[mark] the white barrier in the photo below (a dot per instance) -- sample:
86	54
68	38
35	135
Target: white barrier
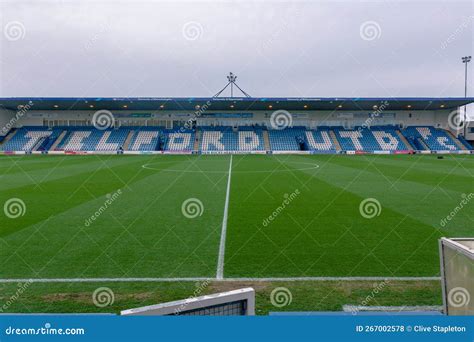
457	274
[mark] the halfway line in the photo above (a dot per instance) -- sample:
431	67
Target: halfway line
220	261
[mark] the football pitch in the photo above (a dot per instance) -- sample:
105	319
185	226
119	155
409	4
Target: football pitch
231	217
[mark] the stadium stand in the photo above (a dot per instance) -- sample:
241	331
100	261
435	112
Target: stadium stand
288	139
234	139
31	139
377	138
364	139
465	142
230	139
144	139
90	139
178	140
320	140
430	138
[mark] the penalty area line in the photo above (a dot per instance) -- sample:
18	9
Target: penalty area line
195	279
220	261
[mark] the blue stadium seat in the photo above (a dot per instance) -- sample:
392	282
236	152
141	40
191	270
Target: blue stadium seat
31	138
91	139
235	139
227	139
287	139
144	139
377	138
435	139
320	140
465	142
159	138
178	140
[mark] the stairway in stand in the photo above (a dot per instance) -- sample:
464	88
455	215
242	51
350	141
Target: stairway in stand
58	140
335	141
197	141
456	140
9	136
128	140
404	140
266	140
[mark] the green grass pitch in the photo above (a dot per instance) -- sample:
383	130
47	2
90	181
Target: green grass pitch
316	229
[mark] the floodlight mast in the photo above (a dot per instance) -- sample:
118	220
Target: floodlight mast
465	60
231	80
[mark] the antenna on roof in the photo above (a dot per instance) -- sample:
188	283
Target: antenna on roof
231	81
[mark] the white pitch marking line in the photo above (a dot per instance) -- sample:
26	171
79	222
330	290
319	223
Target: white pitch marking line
194	279
357	308
220	261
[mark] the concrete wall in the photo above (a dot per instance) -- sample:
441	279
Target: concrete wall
8	120
470	131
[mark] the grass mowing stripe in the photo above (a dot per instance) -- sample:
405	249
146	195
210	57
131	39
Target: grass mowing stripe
424	201
333	245
220	263
447	177
340	236
65	170
56	197
162	229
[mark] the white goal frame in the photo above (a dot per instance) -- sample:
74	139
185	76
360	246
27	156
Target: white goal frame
191	304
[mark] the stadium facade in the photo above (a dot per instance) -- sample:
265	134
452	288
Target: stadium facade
234	125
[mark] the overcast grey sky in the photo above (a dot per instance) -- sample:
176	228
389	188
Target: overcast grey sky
277	48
